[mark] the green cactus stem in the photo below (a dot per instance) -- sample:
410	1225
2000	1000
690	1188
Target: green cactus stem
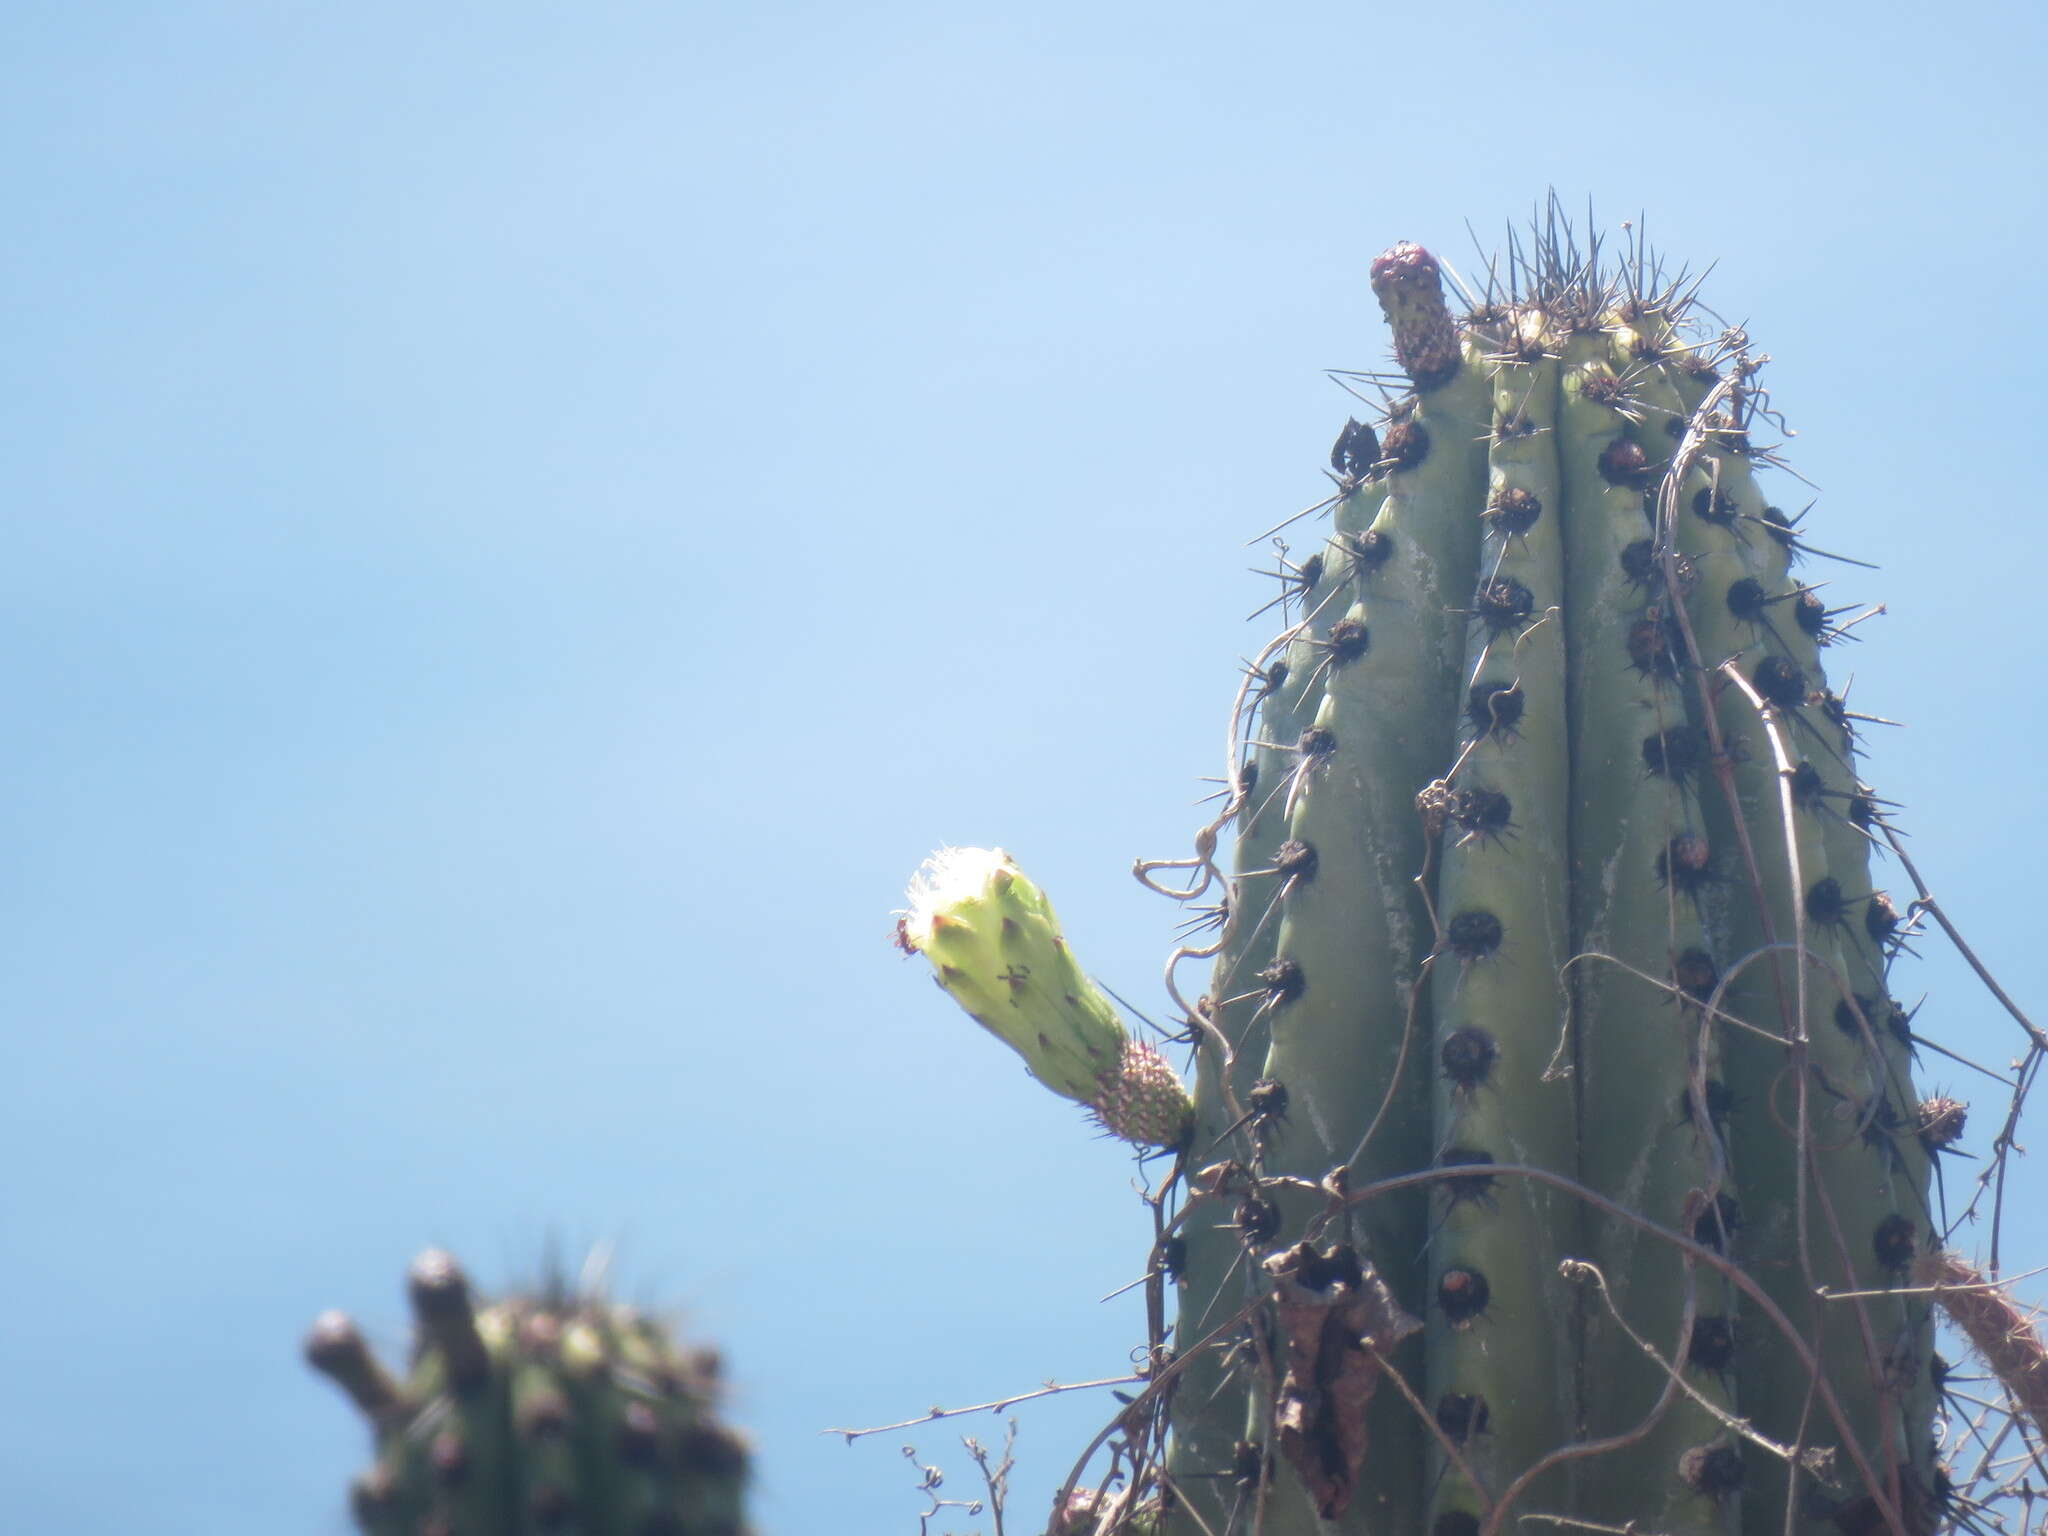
1836	1183
1592	892
1284	693
1350	1031
1651	1093
548	1413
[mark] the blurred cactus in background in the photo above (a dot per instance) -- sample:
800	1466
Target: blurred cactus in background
1555	1159
546	1413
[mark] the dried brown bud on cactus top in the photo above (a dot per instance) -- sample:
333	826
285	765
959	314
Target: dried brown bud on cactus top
1410	286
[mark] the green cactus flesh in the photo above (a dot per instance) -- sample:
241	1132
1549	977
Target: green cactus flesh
1343	1023
1551	999
552	1413
1598	815
1644	1055
1499	1380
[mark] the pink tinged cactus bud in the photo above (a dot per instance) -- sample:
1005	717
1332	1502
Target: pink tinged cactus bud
1410	288
1142	1100
994	944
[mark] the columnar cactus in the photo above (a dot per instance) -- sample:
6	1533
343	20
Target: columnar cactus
548	1413
1549	1059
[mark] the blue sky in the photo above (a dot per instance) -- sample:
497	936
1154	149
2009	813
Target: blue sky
526	522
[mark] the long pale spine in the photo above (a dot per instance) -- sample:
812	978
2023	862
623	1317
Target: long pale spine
1498	1380
1643	963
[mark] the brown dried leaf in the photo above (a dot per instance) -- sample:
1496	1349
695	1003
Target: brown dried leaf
1337	1319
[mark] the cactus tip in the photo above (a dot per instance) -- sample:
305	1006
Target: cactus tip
1405	262
436	1282
945	880
1410	288
333	1334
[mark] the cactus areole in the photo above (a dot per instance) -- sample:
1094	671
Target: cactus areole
1555	1155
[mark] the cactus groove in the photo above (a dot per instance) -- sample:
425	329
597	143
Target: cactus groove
1552	929
552	1413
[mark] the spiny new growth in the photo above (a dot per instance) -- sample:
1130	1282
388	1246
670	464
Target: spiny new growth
548	1413
1555	1150
995	946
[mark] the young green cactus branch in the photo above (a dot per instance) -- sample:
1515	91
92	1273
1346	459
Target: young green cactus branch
1553	1158
547	1413
996	947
